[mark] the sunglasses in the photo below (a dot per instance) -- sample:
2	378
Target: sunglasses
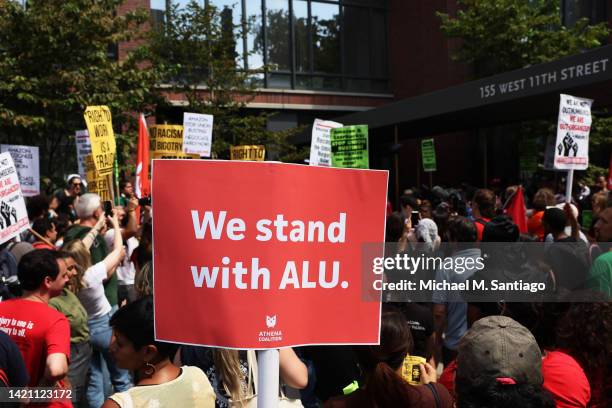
76	184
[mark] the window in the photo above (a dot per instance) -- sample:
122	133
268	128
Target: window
334	45
277	34
325	27
596	11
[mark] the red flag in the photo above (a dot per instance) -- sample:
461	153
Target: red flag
515	208
142	187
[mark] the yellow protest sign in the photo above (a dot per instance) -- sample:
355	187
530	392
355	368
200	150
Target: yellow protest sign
100	128
167	142
249	152
96	183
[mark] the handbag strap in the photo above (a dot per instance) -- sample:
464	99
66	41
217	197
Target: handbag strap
433	390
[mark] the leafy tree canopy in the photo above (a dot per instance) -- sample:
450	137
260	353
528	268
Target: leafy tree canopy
54	61
502	35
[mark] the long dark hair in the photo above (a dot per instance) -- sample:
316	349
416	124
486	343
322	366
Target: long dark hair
384	387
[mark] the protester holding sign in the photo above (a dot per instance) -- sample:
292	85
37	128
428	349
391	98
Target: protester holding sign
90	291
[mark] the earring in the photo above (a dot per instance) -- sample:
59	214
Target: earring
149	369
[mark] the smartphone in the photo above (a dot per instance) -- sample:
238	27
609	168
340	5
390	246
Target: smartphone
414	218
108	208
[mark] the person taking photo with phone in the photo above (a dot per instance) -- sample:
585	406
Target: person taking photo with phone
89	288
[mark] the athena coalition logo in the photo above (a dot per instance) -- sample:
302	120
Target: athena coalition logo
271	321
270	335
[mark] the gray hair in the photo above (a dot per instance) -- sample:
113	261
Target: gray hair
87	204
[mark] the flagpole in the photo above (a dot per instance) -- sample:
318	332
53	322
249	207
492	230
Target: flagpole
268	376
568	186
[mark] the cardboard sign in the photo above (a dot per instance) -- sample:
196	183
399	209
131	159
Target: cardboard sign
26	162
167	142
100	128
248	153
13	213
83	147
245	258
320	143
197	134
428	155
95	182
573	127
349	147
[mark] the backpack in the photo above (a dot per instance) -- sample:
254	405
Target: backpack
8	275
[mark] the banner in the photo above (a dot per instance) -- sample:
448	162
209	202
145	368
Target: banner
349	147
27	164
574	125
100	128
248	153
96	183
428	155
275	270
320	143
167	142
13	213
83	146
197	136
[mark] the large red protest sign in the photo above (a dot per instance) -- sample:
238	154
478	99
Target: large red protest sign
264	255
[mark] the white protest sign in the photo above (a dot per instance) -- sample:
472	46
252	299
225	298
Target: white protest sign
13	213
574	125
26	162
197	133
320	144
83	146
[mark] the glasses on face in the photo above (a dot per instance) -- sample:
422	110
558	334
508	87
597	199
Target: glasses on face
76	184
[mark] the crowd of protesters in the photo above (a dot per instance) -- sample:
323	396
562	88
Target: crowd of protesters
79	287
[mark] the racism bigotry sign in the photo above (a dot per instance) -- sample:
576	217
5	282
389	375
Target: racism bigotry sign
264	255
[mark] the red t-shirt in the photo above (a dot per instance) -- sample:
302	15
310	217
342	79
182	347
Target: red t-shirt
565	380
38	330
43	245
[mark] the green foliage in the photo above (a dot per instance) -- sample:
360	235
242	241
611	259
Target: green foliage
54	62
502	35
195	49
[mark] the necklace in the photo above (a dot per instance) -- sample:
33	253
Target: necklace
38	298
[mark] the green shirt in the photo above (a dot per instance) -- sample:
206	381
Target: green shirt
68	304
600	276
98	252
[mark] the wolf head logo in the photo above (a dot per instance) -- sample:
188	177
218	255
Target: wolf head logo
271	321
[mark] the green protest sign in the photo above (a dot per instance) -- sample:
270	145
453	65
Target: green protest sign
349	147
428	155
